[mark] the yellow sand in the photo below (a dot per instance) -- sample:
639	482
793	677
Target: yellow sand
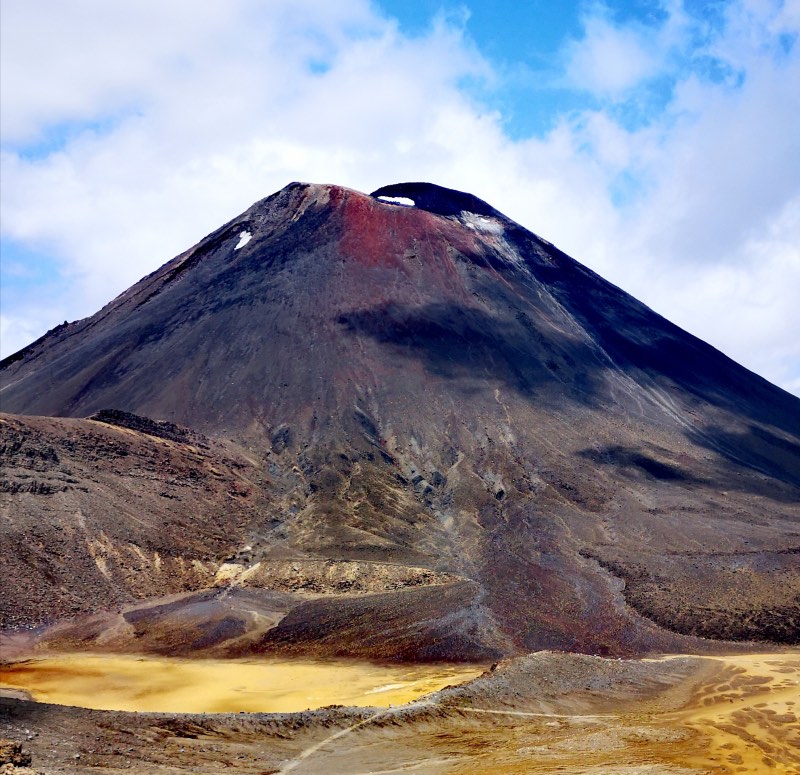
747	716
740	715
737	715
135	683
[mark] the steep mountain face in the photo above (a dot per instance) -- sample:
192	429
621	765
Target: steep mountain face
427	387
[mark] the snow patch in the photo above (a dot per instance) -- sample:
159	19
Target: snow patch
403	201
244	238
481	223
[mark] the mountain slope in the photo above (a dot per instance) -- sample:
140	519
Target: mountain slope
433	386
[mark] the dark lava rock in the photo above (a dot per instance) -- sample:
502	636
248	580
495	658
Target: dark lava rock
160	428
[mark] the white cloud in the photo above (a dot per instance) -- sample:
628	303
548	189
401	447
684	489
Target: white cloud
184	114
91	60
609	59
748	305
16	329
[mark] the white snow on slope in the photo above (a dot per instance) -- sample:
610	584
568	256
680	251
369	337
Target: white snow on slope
481	223
403	201
244	238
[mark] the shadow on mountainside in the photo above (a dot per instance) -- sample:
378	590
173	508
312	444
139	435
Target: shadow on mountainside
457	342
748	475
634	461
759	449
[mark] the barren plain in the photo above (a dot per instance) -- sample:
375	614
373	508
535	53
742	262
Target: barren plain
544	713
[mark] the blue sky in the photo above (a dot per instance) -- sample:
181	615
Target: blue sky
656	142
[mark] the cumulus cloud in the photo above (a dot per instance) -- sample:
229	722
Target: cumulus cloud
132	129
719	224
609	59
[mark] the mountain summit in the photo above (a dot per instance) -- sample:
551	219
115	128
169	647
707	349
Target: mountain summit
408	427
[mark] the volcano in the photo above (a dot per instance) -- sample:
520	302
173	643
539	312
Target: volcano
395	425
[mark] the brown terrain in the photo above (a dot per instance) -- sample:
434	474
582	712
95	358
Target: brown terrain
417	434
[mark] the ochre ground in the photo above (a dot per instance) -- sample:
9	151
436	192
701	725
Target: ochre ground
747	715
134	683
545	713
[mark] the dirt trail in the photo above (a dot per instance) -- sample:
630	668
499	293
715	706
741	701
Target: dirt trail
312	749
592	717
